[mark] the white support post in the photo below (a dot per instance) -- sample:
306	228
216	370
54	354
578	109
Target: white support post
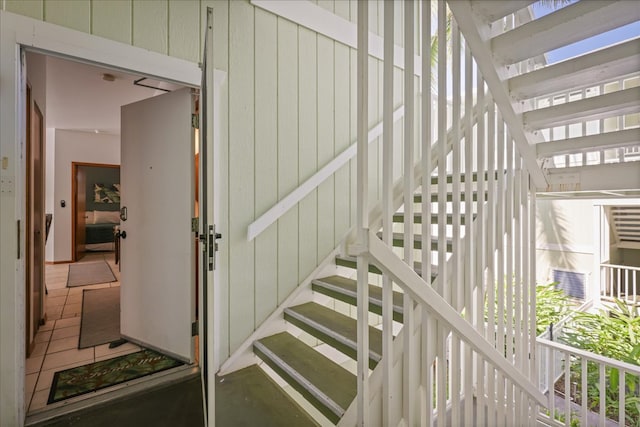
363	214
500	279
480	241
428	325
469	268
409	359
596	285
491	248
441	399
531	283
387	208
457	288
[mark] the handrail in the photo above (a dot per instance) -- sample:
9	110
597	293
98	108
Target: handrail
626	267
293	198
627	367
409	281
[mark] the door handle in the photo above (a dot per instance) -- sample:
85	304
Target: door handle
121	234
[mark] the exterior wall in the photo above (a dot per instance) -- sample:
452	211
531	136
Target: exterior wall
289	106
565	237
71	146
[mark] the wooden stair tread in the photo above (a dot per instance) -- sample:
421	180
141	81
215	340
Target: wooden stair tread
327	385
351	262
417	218
345	290
417	197
250	397
398	240
335	329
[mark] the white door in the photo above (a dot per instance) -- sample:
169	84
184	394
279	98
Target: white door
157	246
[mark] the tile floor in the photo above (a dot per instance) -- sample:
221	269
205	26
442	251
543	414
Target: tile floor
56	345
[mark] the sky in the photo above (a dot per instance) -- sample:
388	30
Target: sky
611	37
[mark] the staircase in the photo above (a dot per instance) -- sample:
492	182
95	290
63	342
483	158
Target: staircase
569	129
328	386
582	114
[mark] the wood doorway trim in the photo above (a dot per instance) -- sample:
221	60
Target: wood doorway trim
74	201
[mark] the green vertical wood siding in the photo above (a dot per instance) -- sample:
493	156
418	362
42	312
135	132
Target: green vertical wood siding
75	14
266	149
111	19
150	25
288	107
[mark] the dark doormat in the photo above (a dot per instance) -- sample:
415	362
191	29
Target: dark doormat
96	376
100	322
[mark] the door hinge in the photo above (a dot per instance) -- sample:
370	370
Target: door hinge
194	328
195	121
195	225
18	242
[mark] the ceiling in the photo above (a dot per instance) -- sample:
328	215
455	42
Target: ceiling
79	98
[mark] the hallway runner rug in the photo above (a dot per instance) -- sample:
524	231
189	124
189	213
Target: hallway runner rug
89	273
106	373
100	321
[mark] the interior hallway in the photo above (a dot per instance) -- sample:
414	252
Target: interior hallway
56	343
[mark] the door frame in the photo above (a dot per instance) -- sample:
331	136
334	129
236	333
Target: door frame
18	33
74	199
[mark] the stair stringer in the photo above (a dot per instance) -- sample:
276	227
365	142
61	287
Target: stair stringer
275	323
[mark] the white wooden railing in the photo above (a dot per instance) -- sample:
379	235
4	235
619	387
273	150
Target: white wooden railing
449	361
620	282
613	387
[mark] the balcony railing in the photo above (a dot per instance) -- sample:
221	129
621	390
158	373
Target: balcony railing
589	388
620	282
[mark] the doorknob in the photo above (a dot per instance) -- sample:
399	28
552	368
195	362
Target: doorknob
121	234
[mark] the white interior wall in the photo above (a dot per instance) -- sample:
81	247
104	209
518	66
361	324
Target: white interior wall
73	146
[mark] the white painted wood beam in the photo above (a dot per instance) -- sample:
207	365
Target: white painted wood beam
492	10
570	24
584	144
469	25
590	69
607	177
625	101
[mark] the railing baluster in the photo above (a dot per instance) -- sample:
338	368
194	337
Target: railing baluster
387	218
409	102
491	324
500	238
621	398
457	286
584	406
363	213
508	281
481	240
549	369
469	279
602	393
441	404
428	324
567	389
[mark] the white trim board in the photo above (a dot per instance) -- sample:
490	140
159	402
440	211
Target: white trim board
321	21
580	249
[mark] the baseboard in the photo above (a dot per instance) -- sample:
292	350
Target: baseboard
58	262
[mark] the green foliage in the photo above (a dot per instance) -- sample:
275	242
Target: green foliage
614	333
551	306
611	333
